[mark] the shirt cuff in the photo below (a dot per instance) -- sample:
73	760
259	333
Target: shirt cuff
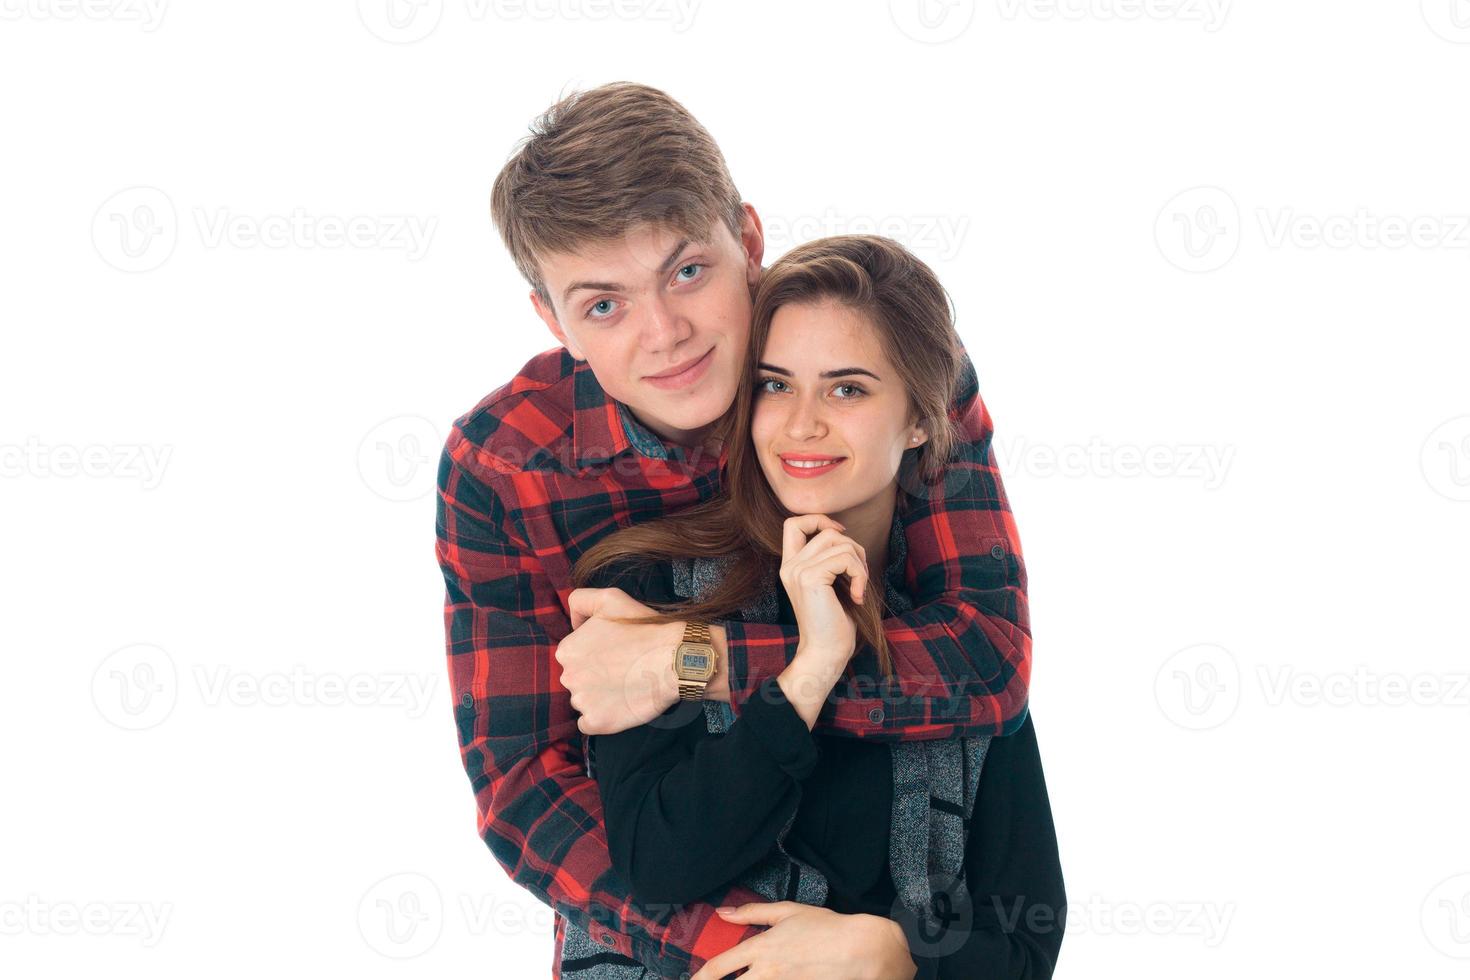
779	729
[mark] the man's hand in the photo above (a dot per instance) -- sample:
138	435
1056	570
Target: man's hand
808	941
620	675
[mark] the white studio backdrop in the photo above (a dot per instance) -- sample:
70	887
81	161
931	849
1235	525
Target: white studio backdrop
1210	259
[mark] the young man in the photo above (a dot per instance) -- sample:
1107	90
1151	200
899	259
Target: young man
641	256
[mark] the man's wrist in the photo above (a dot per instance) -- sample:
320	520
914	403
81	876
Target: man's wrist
718	686
901	938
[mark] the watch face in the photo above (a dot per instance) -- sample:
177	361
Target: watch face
696	662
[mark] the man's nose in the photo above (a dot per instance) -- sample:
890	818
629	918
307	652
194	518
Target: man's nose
663	328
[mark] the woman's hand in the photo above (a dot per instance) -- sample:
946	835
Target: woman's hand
807	941
808	570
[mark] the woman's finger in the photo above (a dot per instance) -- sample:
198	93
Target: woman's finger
795	530
764	913
822	541
838	560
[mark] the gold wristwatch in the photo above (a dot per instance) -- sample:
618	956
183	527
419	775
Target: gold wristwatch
694	661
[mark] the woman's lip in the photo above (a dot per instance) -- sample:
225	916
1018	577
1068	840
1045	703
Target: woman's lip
688	376
807	472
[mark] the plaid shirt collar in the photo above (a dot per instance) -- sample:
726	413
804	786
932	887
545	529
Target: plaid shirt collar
603	428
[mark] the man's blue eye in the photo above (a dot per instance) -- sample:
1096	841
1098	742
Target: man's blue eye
693	265
601	308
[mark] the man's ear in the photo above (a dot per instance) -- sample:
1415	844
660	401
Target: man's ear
548	317
753	239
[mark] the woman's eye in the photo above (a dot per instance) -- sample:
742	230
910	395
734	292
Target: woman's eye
692	270
601	309
768	381
856	389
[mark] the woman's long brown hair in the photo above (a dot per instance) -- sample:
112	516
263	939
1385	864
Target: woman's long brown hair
903	299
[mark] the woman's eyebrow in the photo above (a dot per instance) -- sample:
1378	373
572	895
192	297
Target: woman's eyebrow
838	373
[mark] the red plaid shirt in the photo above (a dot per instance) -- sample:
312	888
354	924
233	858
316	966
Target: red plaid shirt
543	468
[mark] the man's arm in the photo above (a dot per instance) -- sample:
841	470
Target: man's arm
539	810
963	654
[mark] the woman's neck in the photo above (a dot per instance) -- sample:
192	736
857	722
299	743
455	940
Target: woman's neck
869	524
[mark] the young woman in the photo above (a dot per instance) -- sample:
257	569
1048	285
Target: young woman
882	859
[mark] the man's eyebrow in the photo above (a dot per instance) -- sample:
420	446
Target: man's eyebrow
839	373
613	287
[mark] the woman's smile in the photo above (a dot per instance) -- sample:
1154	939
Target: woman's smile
804	466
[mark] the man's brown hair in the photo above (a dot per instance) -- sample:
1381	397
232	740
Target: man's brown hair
602	162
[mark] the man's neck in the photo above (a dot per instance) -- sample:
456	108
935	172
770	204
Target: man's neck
690	440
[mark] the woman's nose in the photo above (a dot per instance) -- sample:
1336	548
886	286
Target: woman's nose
805	420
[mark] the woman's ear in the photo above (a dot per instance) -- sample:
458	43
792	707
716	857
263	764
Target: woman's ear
917	437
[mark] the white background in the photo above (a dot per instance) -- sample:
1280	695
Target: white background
1227	240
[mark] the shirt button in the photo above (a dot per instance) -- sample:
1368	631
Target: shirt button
467	699
607	939
997	552
875	715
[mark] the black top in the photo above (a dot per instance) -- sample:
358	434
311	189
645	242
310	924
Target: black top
688	811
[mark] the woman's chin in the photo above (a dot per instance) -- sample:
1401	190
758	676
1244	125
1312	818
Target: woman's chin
805	502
